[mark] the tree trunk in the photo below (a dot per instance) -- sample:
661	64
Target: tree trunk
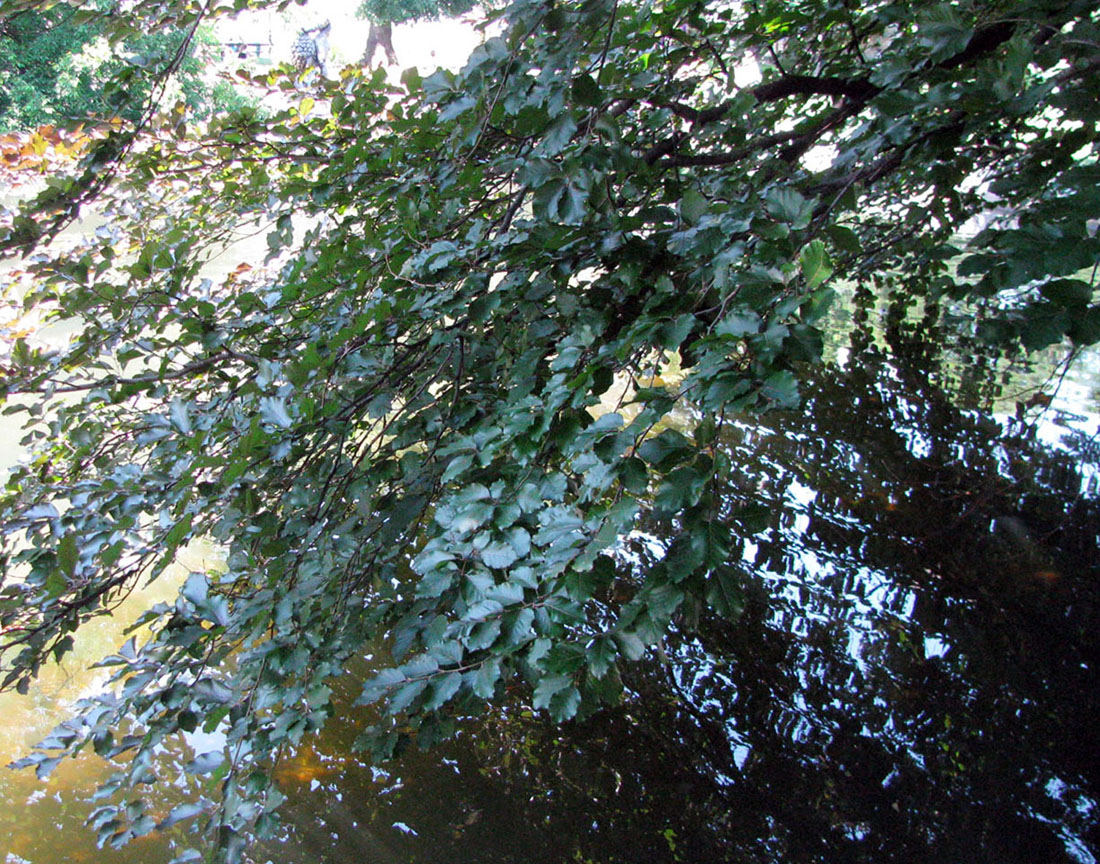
380	35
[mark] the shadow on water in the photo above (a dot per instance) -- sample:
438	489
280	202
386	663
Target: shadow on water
913	675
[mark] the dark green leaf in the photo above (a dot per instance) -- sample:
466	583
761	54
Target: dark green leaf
724	593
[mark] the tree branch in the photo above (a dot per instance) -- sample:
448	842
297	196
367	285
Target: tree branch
147	378
984	40
859	89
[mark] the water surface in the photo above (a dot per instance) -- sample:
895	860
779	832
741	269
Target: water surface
912	676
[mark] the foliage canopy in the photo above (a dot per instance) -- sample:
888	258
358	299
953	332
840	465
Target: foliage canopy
55	68
427	420
401	11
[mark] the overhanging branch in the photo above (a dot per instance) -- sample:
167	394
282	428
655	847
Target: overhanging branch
857	92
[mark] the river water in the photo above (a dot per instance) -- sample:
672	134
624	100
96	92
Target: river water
913	675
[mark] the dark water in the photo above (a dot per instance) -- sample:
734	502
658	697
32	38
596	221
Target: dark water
913	676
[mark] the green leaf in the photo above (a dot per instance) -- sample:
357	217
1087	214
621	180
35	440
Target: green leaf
685	556
944	32
601	655
629	644
443	690
564	704
563	199
456	108
180	813
634	476
665	449
781	388
976	265
499	555
673	333
484	635
1043	325
178	413
434	584
273	410
1084	329
412	80
432	558
403	696
805	343
520	541
68	555
693	205
723	593
662	600
488	674
715	537
788	205
473	492
205	763
557	694
518	627
586	91
178	532
738	323
682	489
558	134
814	260
845	238
1067	292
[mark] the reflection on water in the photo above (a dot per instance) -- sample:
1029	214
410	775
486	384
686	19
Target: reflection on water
913	676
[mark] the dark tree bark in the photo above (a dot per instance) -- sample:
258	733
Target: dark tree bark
380	35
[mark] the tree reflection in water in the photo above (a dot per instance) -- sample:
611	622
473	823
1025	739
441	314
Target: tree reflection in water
913	676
